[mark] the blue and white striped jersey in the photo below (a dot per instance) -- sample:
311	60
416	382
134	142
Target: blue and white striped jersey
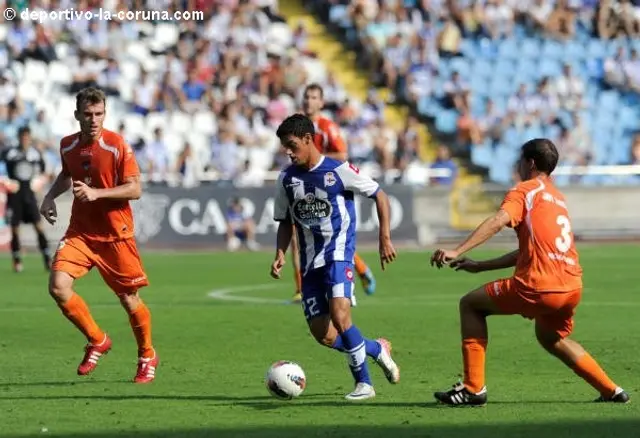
320	203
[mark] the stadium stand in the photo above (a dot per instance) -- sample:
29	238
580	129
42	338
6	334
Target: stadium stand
198	100
487	75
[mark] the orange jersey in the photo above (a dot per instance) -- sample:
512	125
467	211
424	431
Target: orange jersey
327	138
548	259
105	163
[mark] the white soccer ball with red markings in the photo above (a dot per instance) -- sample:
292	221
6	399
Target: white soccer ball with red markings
285	380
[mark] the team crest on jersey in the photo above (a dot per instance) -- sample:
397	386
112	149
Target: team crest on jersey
329	179
148	213
311	210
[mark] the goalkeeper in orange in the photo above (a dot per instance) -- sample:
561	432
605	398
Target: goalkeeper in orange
329	142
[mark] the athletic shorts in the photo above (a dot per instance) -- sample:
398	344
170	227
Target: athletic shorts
554	311
22	208
334	280
118	262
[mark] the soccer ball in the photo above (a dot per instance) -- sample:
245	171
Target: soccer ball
285	380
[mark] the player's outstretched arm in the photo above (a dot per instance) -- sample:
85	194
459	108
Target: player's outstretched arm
487	229
387	251
466	264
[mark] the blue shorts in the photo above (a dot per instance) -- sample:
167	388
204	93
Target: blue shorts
334	280
240	234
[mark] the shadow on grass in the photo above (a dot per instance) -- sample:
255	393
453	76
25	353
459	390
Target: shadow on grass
582	429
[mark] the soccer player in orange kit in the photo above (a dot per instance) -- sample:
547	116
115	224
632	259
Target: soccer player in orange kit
328	141
546	285
102	171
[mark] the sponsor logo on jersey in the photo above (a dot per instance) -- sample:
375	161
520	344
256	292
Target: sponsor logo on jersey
310	210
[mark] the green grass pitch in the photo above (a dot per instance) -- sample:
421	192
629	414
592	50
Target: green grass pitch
214	354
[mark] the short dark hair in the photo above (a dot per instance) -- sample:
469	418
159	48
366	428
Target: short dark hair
543	153
298	125
24	130
315	86
90	95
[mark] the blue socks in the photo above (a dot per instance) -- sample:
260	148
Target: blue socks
354	346
372	348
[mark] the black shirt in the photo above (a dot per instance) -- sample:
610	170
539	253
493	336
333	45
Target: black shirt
23	165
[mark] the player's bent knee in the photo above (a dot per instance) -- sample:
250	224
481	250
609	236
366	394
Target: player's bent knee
341	314
129	299
60	286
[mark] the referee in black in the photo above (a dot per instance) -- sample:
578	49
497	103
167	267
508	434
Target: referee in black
24	163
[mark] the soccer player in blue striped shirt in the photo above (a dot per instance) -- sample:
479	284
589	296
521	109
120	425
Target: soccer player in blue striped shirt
317	194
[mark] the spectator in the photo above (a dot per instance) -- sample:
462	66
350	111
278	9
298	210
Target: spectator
614	69
225	154
569	88
408	145
8	89
85	73
444	161
632	71
456	93
158	157
193	90
249	177
449	40
561	24
497	19
109	79
188	168
635	152
240	227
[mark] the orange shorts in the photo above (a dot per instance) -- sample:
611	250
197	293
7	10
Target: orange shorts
552	310
118	262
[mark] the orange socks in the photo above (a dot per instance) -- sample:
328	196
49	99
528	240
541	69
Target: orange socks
360	265
140	320
587	368
77	311
473	354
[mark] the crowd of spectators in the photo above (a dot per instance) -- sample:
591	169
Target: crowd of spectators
196	99
413	47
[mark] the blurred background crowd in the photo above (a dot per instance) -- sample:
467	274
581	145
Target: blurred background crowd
200	100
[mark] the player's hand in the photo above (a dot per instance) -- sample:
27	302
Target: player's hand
465	264
83	192
276	266
387	252
49	211
443	257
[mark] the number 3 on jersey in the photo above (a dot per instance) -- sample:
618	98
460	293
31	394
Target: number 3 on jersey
563	242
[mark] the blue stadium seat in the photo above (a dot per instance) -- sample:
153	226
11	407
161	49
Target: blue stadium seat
552	50
482	155
446	121
509	50
596	49
530	48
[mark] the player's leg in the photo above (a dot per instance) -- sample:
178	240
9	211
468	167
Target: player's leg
71	261
43	244
339	281
14	214
474	309
297	273
552	332
249	228
32	216
365	274
379	350
121	268
16	247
